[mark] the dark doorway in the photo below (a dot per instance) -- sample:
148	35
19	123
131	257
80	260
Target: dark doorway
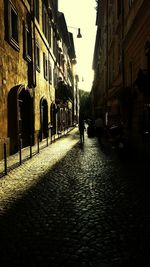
25	110
20	117
53	118
43	118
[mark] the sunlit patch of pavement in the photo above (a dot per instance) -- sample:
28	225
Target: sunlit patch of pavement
19	180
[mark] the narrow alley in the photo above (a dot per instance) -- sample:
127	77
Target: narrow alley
75	205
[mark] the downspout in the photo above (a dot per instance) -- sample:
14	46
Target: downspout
122	48
33	66
122	37
34	44
107	57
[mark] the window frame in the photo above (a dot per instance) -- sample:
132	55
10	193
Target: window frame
13	41
45	66
45	21
49	72
50	34
36	9
37	54
119	9
27	43
130	3
55	76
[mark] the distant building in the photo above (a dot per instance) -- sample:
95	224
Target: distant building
76	100
121	88
65	76
37	55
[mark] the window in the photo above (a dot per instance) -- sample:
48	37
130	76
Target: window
54	44
130	2
55	76
118	8
50	73
45	21
27	44
12	26
49	34
45	66
36	9
37	54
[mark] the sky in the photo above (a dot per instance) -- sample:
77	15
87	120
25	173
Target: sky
82	14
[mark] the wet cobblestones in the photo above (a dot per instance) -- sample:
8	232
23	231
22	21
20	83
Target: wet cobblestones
85	208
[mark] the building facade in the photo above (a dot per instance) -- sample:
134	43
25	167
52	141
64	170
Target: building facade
121	66
34	57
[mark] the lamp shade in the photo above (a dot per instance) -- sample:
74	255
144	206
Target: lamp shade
79	34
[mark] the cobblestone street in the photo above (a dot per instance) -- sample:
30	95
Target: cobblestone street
75	206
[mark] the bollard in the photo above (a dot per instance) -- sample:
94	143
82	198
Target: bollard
20	147
47	137
59	134
51	136
30	146
51	133
38	144
5	159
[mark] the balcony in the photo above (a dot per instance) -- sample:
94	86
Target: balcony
63	92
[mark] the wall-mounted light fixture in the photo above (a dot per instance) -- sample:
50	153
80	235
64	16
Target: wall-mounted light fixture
79	35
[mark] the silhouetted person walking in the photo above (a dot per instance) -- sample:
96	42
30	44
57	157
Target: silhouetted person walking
81	129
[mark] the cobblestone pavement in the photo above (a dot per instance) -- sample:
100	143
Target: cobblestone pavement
75	206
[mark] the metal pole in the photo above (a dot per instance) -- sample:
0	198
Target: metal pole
47	137
20	147
38	144
5	159
51	133
30	146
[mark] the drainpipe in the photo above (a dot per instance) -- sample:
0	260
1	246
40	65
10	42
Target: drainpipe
122	47
107	57
34	44
33	65
122	13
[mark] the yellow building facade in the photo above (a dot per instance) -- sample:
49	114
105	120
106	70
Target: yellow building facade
32	59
